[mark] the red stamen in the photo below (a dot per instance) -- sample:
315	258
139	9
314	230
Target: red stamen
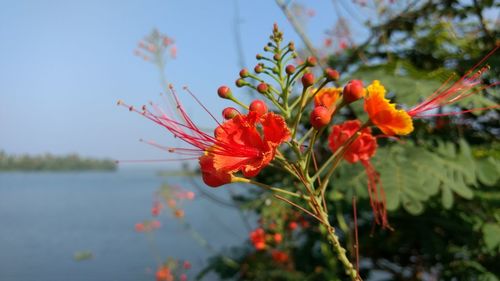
377	195
446	95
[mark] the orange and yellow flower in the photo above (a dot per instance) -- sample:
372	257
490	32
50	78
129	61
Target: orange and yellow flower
383	113
327	97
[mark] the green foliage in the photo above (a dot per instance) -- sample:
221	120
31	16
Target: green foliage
83	255
411	175
50	162
491	236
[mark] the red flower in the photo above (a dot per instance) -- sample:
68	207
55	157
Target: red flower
279	256
139	227
164	274
258	239
239	146
363	148
245	143
277	238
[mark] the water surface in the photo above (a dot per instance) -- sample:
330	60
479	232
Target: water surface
47	217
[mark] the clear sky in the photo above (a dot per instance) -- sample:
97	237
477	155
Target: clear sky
64	64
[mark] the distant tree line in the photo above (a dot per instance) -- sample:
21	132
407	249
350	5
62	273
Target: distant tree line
49	162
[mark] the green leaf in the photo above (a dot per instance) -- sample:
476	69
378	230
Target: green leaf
413	207
491	236
410	175
488	170
447	198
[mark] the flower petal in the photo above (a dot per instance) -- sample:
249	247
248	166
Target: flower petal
384	115
275	129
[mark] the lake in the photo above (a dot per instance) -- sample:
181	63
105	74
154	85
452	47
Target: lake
48	217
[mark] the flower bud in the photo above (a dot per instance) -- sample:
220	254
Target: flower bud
258	56
229	113
311	61
290	69
224	92
308	80
240	83
244	73
262	88
320	117
353	91
291	46
259	107
332	74
258	68
277	57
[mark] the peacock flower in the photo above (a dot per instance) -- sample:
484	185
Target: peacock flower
164	274
239	146
258	239
361	150
327	97
392	121
245	143
279	256
384	114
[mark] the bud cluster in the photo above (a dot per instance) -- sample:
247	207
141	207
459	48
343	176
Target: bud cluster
154	46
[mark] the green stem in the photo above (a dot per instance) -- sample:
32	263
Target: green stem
338	158
268	187
341	254
310	151
299	113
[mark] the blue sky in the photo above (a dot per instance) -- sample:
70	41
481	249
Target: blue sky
64	64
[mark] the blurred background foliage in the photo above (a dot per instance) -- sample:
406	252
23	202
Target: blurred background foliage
441	182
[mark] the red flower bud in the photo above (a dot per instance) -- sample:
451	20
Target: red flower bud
224	92
277	57
240	83
259	107
278	238
244	73
258	68
332	74
292	225
229	113
290	69
311	61
353	91
320	117
308	80
139	227
262	88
